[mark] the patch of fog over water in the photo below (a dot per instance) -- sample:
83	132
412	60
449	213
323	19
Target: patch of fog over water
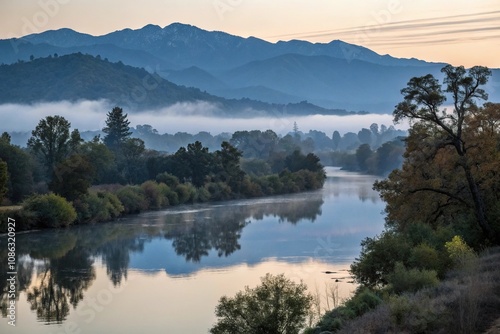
181	117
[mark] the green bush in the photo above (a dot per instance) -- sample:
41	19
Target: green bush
98	207
153	194
411	280
425	257
170	180
219	191
50	210
202	195
458	251
183	192
24	220
132	199
363	301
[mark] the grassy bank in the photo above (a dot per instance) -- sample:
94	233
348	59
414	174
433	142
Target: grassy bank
466	301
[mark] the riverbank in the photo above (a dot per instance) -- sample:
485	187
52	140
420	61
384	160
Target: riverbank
466	301
108	202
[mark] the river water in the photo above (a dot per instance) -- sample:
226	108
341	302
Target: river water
164	271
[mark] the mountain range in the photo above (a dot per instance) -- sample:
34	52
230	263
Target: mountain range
334	75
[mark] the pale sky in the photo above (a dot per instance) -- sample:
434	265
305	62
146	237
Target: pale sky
460	32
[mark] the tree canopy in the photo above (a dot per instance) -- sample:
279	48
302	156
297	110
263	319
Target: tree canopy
117	129
445	170
52	142
276	306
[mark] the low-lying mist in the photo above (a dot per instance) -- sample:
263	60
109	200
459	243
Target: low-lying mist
182	117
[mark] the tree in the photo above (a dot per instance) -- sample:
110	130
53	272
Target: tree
20	175
134	168
50	141
72	177
278	305
117	129
229	171
101	158
442	162
363	154
4	176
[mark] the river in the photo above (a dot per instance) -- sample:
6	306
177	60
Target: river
164	271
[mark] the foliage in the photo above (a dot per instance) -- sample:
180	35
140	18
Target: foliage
410	280
72	177
98	207
467	301
363	301
51	141
50	210
445	168
378	258
4	177
117	129
278	305
20	174
132	199
458	250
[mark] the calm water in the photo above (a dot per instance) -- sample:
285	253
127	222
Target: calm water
164	271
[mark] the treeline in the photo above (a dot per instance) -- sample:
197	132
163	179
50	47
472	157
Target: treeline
443	208
60	179
377	150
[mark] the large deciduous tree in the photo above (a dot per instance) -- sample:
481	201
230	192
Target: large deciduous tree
52	141
446	177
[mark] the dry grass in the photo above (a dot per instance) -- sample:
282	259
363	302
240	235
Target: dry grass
468	301
10	207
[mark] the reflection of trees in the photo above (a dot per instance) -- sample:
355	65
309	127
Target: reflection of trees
24	269
195	234
194	239
293	211
116	256
60	283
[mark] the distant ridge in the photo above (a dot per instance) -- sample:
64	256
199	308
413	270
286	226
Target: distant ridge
84	77
334	75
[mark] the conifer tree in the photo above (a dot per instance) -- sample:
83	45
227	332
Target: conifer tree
117	129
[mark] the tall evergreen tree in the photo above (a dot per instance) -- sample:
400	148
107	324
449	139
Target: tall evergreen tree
117	129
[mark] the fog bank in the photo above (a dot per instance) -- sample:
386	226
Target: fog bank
185	117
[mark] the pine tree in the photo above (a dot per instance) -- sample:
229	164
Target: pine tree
117	129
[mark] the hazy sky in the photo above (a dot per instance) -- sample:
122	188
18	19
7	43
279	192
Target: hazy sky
460	32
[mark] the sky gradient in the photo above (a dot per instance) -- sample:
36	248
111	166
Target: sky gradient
460	32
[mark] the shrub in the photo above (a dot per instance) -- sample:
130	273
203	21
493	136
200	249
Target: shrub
25	220
153	194
425	257
363	301
50	210
98	207
411	280
458	250
202	195
183	192
218	191
278	305
170	180
132	199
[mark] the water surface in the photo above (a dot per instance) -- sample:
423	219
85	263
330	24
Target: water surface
164	271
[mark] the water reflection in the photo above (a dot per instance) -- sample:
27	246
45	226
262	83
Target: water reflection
56	268
61	282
